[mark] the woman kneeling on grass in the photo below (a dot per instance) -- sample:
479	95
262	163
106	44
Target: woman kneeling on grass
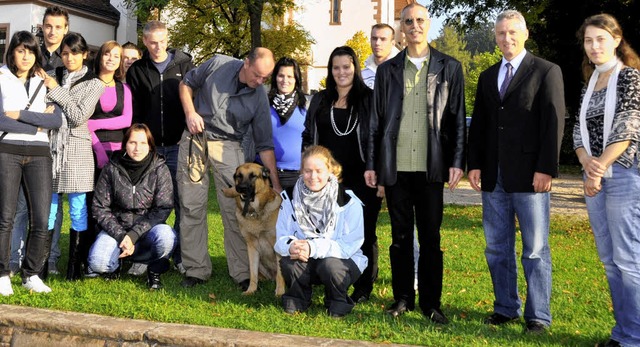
132	200
319	234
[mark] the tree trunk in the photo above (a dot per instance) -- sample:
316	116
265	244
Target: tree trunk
255	8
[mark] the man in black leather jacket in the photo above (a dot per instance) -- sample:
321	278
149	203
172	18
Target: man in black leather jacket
416	143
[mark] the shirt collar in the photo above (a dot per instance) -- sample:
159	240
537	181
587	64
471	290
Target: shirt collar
515	62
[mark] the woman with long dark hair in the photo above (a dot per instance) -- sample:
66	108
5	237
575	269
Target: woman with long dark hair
77	90
338	119
25	158
288	112
606	139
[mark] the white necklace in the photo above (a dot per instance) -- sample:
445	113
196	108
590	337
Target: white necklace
347	130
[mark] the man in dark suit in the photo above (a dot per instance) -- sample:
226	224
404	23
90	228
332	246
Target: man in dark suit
514	142
416	143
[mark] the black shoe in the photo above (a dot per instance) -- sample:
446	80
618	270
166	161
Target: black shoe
189	282
535	327
153	280
244	285
436	316
336	315
498	319
398	308
359	297
610	343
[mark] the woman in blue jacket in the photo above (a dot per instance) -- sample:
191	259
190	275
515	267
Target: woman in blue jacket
318	234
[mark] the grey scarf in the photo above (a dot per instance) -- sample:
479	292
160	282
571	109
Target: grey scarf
316	212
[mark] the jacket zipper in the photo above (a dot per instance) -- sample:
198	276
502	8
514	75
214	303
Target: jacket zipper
161	109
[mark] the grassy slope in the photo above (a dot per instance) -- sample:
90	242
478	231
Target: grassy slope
580	303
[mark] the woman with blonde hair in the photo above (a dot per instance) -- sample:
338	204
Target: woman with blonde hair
318	234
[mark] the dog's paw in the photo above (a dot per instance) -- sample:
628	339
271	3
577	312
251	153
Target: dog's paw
249	291
279	292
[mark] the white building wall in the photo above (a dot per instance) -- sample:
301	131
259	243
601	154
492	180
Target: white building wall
127	28
314	16
95	32
14	15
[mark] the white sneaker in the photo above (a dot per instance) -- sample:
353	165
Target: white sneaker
137	269
35	284
5	286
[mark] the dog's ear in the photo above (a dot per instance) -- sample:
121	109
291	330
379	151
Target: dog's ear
265	172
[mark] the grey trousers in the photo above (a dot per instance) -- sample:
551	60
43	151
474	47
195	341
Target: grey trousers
193	188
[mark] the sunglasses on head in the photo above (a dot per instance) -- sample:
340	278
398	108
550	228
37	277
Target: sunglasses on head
409	21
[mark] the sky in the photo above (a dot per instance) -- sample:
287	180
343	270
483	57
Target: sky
436	22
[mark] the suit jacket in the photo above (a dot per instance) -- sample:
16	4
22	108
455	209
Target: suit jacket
445	110
521	134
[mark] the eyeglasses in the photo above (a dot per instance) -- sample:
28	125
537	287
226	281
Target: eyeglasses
409	21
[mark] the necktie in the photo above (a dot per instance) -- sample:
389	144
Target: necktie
507	79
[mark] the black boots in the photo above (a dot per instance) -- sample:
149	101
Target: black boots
74	265
79	244
153	280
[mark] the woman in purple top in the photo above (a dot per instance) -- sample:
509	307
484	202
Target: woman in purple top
113	112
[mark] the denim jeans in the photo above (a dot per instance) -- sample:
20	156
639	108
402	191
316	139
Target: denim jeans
34	174
77	210
614	214
170	154
153	248
499	210
19	232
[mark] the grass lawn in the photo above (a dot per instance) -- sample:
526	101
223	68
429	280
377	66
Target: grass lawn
580	303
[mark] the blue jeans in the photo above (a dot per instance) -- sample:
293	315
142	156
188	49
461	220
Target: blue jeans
153	248
77	210
614	214
170	154
499	210
34	174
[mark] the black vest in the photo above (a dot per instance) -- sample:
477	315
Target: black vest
114	136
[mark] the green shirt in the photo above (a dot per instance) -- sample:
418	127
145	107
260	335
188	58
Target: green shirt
412	138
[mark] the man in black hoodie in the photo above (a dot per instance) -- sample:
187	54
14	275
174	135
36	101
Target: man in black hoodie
154	82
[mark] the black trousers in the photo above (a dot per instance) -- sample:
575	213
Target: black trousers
371	209
413	198
335	274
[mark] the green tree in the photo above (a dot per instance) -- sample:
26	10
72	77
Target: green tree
208	27
479	63
451	42
481	38
147	10
361	45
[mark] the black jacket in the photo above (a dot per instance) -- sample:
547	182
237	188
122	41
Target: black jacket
520	134
445	109
121	208
156	99
363	112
